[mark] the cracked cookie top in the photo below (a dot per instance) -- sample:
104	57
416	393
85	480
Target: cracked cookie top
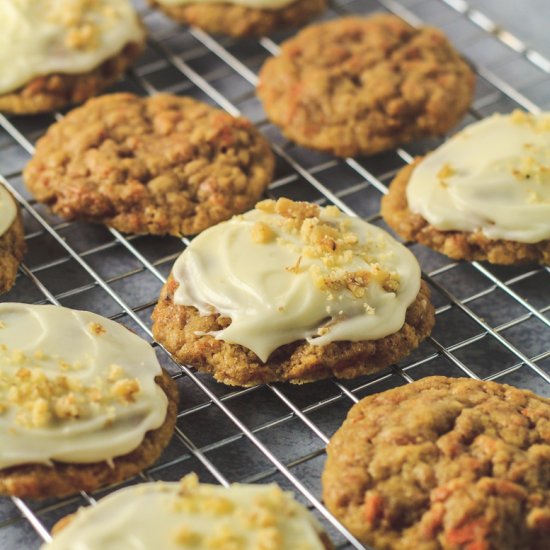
364	85
160	165
444	463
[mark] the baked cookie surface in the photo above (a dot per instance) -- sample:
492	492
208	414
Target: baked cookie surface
190	515
292	292
158	165
242	17
483	195
83	404
364	85
53	55
443	464
12	240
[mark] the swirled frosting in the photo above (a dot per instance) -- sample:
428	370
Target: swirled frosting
8	211
289	271
255	4
42	37
74	386
493	176
176	516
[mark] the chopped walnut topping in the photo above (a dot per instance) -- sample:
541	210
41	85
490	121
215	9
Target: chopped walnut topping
333	211
187	537
97	329
292	209
116	372
82	37
82	19
40	399
126	390
530	169
269	539
188	484
225	537
267	206
520	117
67	406
217	506
539	124
41	414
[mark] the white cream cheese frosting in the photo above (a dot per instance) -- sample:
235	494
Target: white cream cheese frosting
493	176
255	4
8	210
41	37
289	271
74	386
189	515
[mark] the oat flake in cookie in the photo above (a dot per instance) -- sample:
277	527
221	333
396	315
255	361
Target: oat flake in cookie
83	402
241	17
192	515
444	464
482	195
57	52
294	292
163	165
12	240
364	85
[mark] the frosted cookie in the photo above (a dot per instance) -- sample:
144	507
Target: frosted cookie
190	515
160	165
12	240
364	85
57	52
241	17
443	464
83	402
292	292
482	195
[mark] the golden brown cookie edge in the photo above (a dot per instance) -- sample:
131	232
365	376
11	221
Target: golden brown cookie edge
47	187
458	245
55	91
38	481
174	327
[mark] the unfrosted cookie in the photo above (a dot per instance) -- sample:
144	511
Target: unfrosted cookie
12	240
190	515
53	54
159	165
241	17
83	402
482	195
364	85
444	464
292	292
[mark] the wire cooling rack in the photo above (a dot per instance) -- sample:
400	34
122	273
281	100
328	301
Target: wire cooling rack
492	322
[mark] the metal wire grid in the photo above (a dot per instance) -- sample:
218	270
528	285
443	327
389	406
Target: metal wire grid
492	322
